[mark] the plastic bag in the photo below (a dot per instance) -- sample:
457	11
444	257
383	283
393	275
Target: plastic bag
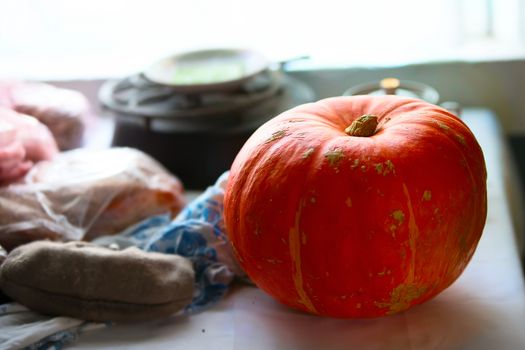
84	193
65	112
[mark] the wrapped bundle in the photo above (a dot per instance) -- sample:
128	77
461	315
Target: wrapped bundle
83	194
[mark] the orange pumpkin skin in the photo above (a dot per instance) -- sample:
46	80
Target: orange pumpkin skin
354	227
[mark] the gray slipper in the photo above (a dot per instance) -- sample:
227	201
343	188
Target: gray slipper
86	281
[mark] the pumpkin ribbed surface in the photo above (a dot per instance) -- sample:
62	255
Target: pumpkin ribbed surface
357	224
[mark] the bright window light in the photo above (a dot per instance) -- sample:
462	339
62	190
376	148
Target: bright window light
54	39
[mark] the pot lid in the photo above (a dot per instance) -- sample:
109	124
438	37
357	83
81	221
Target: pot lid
207	70
393	86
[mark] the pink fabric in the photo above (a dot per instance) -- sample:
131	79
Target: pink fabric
23	141
12	154
65	112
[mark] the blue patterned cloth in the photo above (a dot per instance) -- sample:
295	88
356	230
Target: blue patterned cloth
198	234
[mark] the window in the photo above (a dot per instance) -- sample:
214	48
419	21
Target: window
98	38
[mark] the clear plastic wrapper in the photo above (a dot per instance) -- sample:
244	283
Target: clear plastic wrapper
83	194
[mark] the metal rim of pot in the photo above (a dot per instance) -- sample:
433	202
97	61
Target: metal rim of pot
392	86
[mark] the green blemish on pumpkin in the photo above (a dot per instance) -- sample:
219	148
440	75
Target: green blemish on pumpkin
393	230
384	168
399	216
308	153
389	167
276	135
443	126
401	297
427	195
274	261
334	156
461	139
384	272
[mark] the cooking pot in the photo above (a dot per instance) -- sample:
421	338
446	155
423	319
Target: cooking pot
210	70
393	86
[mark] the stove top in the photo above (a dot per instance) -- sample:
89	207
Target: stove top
138	96
196	136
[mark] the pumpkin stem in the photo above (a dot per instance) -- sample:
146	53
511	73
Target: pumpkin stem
365	126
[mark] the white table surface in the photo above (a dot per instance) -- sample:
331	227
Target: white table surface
483	309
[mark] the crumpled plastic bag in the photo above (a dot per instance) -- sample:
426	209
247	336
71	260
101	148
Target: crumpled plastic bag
65	112
82	194
23	141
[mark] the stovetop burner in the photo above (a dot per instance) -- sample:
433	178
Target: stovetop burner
138	96
197	136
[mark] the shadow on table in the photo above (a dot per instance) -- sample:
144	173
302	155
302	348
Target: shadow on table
451	321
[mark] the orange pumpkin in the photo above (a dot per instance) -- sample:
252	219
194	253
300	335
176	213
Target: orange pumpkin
357	206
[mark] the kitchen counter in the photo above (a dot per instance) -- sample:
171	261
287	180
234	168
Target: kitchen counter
483	309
